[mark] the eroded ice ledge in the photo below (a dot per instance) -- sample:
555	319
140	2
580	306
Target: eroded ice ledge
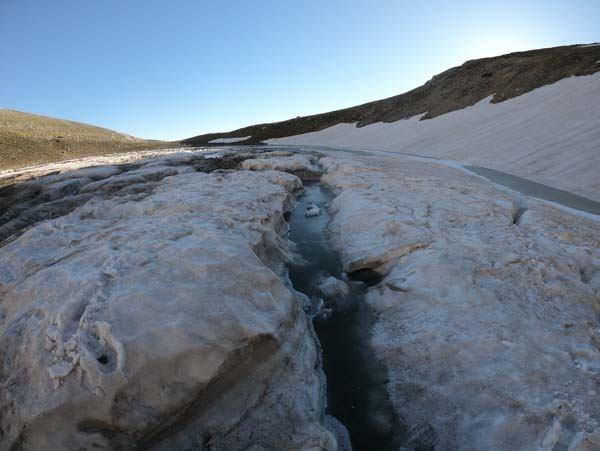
151	313
488	308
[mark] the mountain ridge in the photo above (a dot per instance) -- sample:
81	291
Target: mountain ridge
503	77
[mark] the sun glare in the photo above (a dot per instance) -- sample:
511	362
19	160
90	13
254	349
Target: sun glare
489	45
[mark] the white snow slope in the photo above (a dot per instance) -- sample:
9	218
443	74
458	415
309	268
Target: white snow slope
550	135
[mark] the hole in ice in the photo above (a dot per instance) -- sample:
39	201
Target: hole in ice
518	214
367	276
103	359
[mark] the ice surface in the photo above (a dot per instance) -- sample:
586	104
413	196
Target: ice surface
312	210
487	311
155	316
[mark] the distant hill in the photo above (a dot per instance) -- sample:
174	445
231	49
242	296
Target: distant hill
27	139
504	77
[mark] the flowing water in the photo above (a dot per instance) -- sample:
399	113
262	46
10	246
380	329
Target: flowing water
356	381
534	189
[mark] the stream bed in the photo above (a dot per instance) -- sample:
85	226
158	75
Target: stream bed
356	381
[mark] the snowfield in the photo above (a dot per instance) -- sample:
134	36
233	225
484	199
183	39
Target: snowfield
550	135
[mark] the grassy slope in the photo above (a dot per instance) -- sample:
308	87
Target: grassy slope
504	77
27	139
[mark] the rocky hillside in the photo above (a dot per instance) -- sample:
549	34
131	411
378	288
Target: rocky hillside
27	139
504	77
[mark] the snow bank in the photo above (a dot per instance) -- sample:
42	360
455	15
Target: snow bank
550	135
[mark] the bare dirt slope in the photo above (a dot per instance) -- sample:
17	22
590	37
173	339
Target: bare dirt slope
27	139
504	77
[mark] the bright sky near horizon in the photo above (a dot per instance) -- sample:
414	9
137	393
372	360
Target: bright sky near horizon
171	70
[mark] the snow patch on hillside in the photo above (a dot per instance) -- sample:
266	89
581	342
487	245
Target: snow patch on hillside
229	140
550	135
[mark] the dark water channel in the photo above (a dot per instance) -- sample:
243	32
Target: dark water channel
356	381
534	189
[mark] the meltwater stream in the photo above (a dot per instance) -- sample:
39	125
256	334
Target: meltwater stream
356	381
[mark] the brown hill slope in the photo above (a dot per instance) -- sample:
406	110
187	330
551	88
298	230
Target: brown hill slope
27	139
503	76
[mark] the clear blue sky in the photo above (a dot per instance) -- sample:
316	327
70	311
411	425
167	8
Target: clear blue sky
172	69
